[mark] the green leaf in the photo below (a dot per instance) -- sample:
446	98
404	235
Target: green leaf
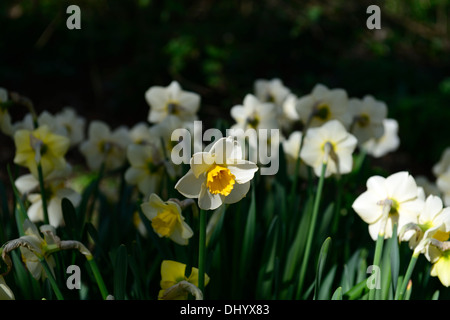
70	218
435	295
395	258
120	272
321	264
298	245
249	236
337	295
357	290
327	284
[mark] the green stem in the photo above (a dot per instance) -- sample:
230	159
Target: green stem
380	240
51	279
376	260
409	271
95	192
43	195
202	251
98	278
311	230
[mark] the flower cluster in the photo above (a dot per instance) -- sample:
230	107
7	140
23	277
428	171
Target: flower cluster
130	170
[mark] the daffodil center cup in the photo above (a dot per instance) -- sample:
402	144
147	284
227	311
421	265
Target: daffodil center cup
164	223
173	107
220	180
363	120
322	111
253	121
394	208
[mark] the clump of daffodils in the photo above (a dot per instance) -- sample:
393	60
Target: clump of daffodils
218	176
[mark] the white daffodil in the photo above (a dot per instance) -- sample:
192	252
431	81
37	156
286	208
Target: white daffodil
443	184
218	176
171	101
5	119
433	223
254	114
341	144
73	124
444	163
291	148
397	193
56	191
167	220
105	146
429	188
40	146
368	115
5	291
141	134
323	105
147	166
439	256
273	91
388	142
37	249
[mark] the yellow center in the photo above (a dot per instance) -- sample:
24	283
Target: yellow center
173	107
220	180
363	120
323	111
394	208
441	235
164	223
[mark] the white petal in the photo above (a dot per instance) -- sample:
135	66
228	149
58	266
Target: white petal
26	183
209	201
239	191
243	172
189	185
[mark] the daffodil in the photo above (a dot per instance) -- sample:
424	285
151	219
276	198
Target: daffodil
323	105
55	190
167	220
147	167
433	223
254	114
218	176
443	184
37	248
40	146
339	141
73	124
171	101
444	163
5	291
291	148
105	146
273	91
398	193
141	134
5	119
368	115
175	285
388	142
441	264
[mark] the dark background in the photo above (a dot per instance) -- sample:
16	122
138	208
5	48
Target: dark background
218	48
